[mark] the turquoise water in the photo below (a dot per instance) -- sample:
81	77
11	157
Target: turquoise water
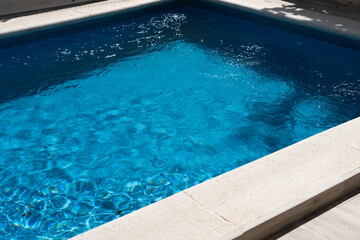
98	123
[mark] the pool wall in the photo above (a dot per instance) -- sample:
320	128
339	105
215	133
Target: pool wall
290	12
34	23
255	200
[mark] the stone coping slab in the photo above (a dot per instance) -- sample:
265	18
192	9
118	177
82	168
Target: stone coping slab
42	21
321	15
253	201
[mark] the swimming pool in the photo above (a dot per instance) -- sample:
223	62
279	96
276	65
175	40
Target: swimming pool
98	123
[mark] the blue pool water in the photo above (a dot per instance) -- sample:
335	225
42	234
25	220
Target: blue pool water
98	123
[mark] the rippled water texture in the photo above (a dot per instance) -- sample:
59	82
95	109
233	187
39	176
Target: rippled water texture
99	123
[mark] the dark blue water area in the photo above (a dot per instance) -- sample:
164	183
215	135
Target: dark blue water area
101	122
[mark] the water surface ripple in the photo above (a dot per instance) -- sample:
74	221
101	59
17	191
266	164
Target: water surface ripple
99	123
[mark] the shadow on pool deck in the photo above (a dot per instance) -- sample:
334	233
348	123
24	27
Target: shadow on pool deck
327	7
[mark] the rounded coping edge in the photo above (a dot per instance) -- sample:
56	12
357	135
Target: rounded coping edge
298	209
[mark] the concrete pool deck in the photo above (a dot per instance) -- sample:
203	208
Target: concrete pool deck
260	198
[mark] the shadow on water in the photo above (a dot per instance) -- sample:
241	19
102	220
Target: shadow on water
240	90
38	61
308	11
311	65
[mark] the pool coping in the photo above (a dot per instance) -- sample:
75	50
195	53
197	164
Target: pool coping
298	209
290	12
225	207
22	25
275	9
295	182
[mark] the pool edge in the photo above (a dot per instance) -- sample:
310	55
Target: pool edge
253	201
219	226
38	22
277	9
297	210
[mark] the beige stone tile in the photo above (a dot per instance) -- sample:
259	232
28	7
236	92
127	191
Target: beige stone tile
153	2
304	206
348	133
351	206
71	15
303	233
10	28
116	6
290	12
108	7
177	217
256	189
337	225
50	19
